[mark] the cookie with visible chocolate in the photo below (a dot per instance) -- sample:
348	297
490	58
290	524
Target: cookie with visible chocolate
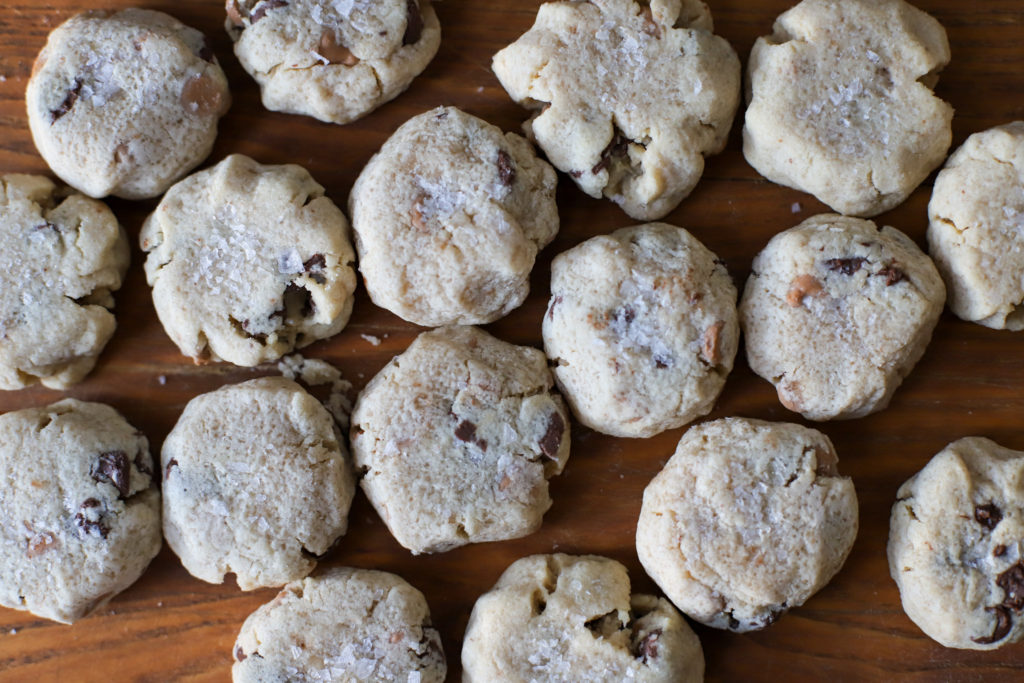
79	512
747	520
956	545
456	439
125	103
836	312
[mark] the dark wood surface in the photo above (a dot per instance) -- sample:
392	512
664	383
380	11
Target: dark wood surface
170	626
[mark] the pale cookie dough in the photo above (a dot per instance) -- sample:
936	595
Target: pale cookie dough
256	482
976	227
125	103
641	328
836	312
342	625
248	262
456	440
628	97
63	254
449	216
335	60
841	102
747	520
79	514
572	618
956	545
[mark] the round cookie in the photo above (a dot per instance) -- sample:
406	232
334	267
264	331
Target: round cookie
841	102
956	545
456	439
344	624
79	515
449	216
63	254
976	227
747	520
627	97
256	482
641	328
335	60
836	312
564	617
248	262
125	103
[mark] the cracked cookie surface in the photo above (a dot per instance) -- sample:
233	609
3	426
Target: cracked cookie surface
628	97
79	514
456	439
248	262
335	60
841	102
956	545
642	328
747	520
257	482
836	312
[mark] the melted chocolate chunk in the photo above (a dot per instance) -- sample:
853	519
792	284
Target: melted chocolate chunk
414	23
617	148
69	101
313	266
999	550
846	266
647	649
265	7
987	515
892	275
552	438
239	654
506	168
85	521
113	467
1004	622
1012	583
466	431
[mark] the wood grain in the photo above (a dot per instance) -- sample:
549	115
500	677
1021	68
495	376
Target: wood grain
170	626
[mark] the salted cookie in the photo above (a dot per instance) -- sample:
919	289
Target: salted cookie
256	482
125	103
449	216
248	262
841	102
456	439
564	617
642	329
79	515
746	521
976	227
628	97
63	254
836	312
956	545
342	625
335	60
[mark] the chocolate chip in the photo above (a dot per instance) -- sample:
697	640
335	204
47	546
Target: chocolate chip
113	467
1004	622
617	148
1012	583
576	174
167	470
552	439
265	7
846	266
774	613
647	648
85	520
239	654
69	101
466	431
206	51
892	275
626	314
316	263
987	515
413	24
506	168
999	550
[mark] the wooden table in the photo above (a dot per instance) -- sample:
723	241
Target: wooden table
170	626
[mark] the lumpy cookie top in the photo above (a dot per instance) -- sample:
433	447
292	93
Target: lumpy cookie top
248	262
63	254
125	103
563	617
841	104
456	439
449	216
628	96
976	227
335	60
642	329
956	545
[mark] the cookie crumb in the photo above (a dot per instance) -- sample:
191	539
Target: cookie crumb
373	339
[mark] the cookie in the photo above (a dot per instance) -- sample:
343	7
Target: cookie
449	216
456	439
63	254
564	617
256	482
956	545
79	515
125	103
641	328
836	312
627	97
976	227
841	103
248	262
344	625
334	60
746	521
